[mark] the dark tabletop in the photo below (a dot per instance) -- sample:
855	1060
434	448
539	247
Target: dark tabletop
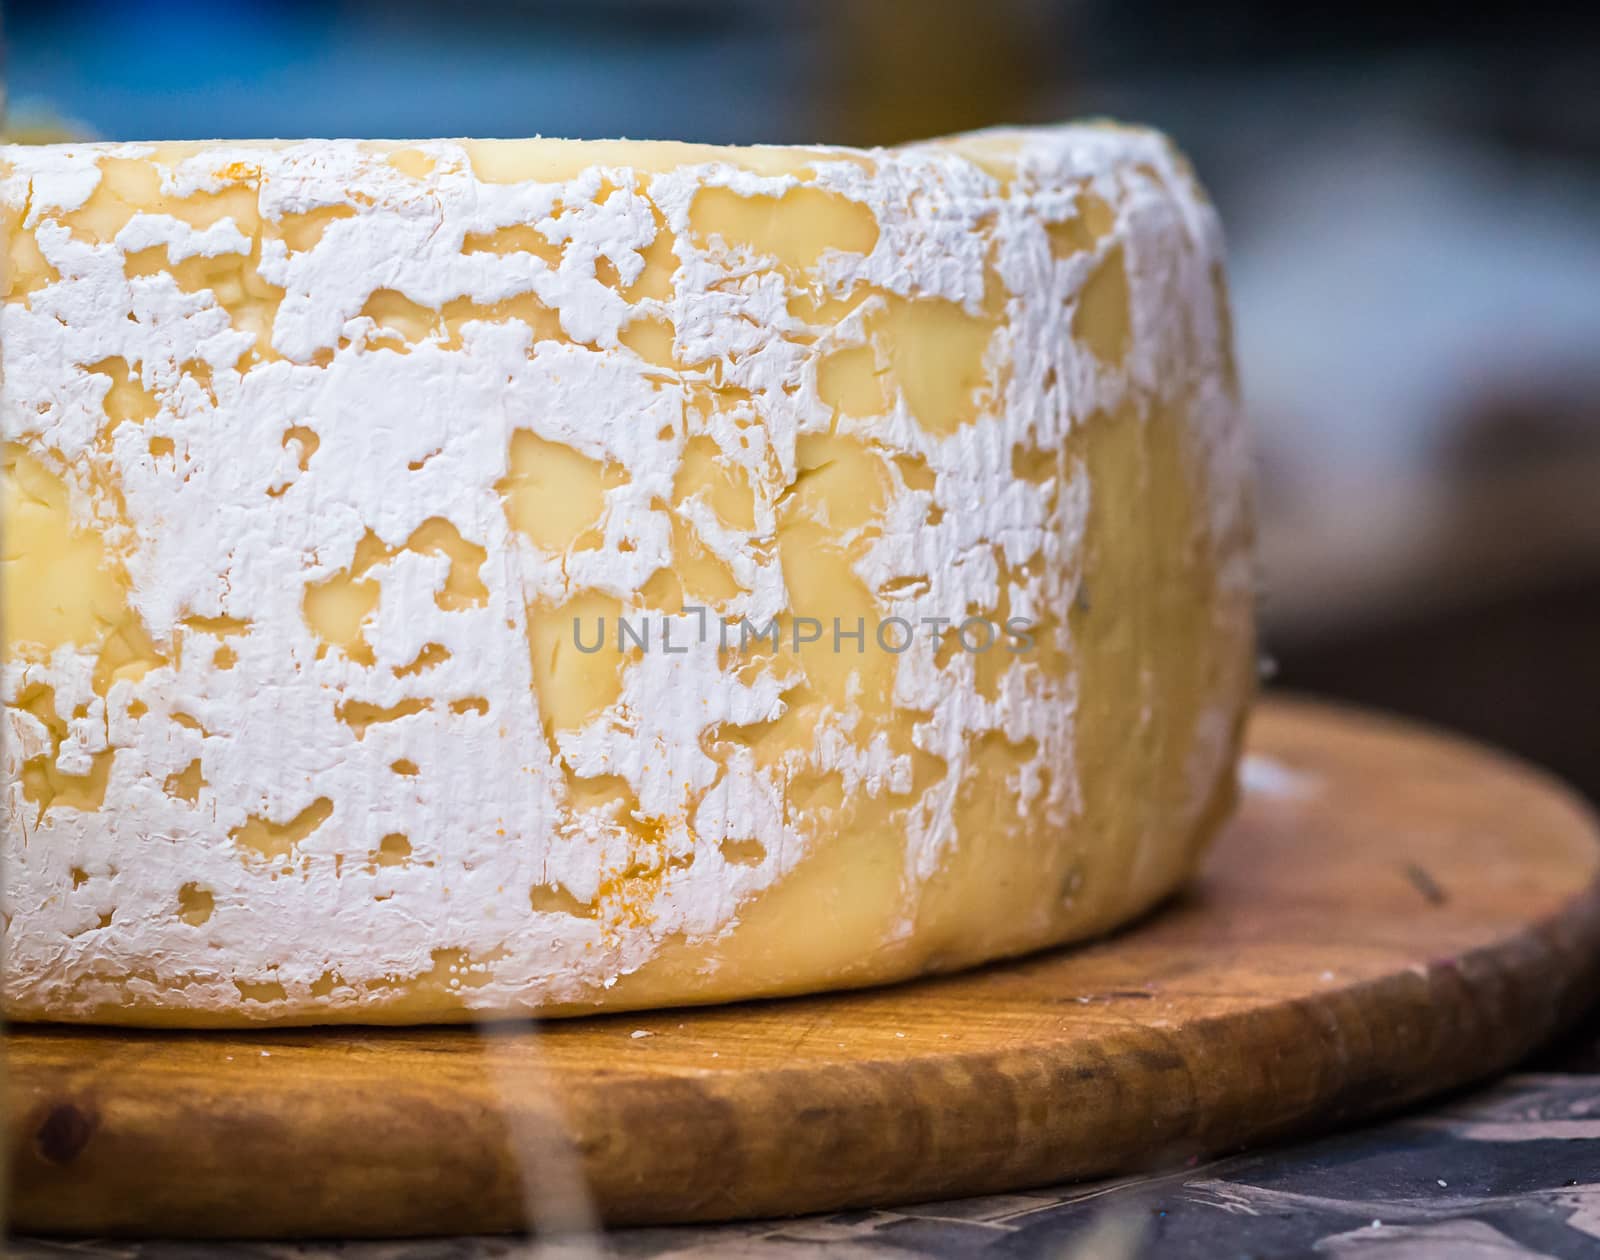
1510	1169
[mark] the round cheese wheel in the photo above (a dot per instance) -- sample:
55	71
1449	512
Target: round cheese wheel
464	579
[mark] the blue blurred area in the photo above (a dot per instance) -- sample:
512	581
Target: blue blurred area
187	69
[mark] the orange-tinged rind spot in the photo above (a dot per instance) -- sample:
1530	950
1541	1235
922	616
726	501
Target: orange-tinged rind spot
360	715
652	340
1103	320
577	665
263	837
195	904
849	381
553	493
185	785
704	472
76	592
937	353
797	227
337	610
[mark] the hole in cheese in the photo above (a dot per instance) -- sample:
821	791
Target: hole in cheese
195	904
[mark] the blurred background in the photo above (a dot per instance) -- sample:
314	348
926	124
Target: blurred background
1411	190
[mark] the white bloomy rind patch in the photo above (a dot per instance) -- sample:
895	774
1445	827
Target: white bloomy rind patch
335	440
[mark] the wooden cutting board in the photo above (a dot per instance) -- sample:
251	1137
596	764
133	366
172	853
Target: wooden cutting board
1392	914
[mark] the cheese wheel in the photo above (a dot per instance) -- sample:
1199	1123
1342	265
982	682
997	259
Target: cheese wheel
472	578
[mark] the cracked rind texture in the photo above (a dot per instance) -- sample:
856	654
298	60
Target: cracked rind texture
325	460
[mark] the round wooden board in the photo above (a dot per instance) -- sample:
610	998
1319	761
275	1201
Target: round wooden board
1392	913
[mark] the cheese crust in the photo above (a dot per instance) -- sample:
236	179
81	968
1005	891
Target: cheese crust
446	580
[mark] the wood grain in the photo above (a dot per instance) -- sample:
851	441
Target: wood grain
1392	914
